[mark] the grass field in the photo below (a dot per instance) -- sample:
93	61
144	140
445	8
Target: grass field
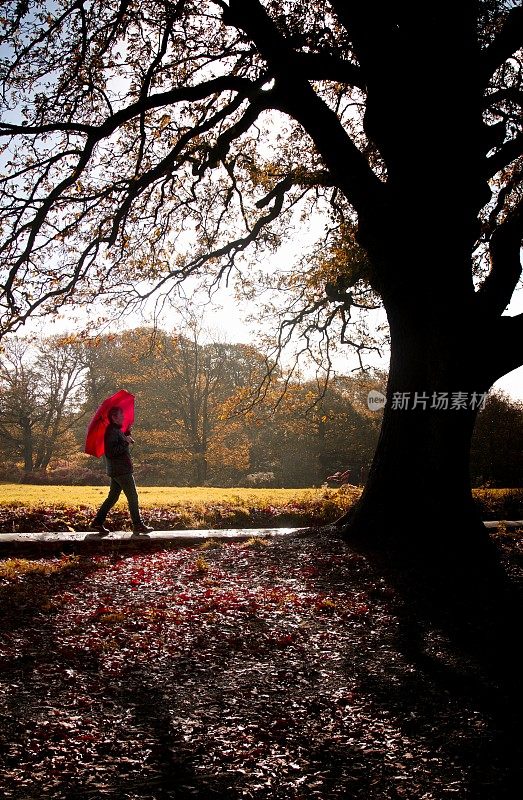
26	507
154	496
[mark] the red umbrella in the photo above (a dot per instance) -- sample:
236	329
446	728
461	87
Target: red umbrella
94	441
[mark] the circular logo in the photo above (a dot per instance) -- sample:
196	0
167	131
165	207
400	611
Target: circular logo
375	400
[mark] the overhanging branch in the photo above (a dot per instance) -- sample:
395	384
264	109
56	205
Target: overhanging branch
158	100
227	252
293	95
320	67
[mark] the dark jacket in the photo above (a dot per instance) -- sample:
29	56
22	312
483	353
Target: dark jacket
116	449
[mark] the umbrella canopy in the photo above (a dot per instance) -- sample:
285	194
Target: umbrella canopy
94	441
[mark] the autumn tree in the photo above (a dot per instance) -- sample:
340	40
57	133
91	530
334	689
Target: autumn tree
193	382
301	432
346	435
41	391
187	390
497	443
17	403
159	140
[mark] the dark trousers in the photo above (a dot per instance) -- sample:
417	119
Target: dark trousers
119	484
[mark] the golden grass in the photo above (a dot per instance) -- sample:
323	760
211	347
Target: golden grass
30	495
199	506
13	567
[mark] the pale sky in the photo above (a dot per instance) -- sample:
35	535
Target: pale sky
512	383
227	319
227	322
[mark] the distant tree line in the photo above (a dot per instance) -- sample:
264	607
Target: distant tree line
206	415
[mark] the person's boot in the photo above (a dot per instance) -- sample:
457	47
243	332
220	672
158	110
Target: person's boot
99	527
141	529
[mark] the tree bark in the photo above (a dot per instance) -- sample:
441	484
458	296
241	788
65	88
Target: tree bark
416	518
418	496
201	467
27	438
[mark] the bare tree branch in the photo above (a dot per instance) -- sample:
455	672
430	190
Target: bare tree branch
507	42
158	100
505	155
293	95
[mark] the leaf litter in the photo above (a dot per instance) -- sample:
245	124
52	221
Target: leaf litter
232	671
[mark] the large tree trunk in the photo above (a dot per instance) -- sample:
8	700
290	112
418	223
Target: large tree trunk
417	497
416	517
419	474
